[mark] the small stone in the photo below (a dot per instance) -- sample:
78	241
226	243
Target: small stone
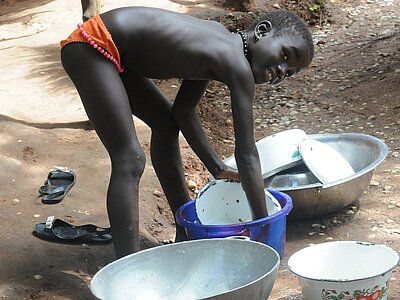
191	184
36	216
157	193
389	221
316	225
15	200
349	212
37	277
374	228
387	188
374	183
276	5
312	233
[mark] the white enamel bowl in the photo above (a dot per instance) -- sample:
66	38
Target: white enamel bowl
345	270
223	202
277	152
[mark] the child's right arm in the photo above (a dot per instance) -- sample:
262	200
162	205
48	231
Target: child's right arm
185	115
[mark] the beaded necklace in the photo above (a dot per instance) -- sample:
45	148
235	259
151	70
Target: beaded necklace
101	50
245	45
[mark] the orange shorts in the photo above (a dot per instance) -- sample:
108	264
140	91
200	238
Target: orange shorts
100	35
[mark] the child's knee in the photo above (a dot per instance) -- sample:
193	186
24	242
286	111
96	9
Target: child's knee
132	165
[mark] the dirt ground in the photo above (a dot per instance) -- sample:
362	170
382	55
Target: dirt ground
352	86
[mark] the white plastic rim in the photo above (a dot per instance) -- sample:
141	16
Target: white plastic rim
223	202
343	261
324	161
277	152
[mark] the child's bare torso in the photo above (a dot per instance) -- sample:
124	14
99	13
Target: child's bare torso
161	44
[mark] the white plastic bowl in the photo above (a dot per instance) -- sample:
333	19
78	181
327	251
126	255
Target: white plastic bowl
277	152
347	270
223	202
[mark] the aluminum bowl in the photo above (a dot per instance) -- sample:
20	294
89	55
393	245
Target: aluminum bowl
225	269
312	198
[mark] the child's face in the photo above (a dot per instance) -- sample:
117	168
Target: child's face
274	59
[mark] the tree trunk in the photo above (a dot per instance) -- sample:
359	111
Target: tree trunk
90	8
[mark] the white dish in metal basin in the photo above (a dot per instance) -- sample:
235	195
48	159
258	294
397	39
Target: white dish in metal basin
277	152
325	162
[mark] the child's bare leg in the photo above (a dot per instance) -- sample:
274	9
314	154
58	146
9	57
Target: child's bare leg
106	103
167	163
150	105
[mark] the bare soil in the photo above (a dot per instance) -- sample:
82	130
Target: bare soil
352	86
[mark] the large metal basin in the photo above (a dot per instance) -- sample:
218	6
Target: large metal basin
313	199
227	268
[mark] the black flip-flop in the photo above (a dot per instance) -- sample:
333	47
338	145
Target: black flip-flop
57	230
58	183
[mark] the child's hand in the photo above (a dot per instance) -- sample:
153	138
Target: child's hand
227	173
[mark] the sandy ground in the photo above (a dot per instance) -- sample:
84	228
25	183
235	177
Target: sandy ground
43	124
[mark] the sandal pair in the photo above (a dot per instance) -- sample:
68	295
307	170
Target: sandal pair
59	182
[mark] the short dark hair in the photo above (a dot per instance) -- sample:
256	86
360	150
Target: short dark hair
287	23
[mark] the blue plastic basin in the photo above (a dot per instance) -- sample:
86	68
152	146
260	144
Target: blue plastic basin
270	230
